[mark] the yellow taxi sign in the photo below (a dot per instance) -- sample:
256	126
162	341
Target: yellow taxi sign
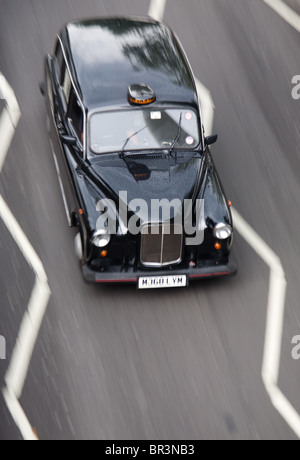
141	94
142	101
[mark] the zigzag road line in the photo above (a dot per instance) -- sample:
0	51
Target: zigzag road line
207	107
274	324
157	9
277	284
32	320
287	13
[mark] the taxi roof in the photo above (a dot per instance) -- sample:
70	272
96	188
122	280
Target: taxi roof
108	55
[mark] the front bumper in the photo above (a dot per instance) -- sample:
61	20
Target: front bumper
115	274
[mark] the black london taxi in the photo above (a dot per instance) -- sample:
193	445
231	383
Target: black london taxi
135	168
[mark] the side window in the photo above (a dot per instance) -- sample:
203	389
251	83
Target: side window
75	115
63	77
59	54
59	62
49	91
66	83
63	74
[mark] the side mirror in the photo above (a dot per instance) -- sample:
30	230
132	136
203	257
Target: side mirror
211	139
67	140
42	88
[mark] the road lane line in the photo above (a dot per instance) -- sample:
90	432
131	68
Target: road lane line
157	9
19	416
277	291
277	294
32	320
28	333
22	241
207	107
276	299
257	243
274	322
283	406
287	13
9	118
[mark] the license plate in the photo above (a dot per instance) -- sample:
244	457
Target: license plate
156	282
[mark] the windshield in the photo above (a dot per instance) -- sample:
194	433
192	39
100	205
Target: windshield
146	128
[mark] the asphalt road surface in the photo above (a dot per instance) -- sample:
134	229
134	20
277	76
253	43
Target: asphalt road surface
115	363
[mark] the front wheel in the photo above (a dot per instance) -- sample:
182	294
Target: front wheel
78	247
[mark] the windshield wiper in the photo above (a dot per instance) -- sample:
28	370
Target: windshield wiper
177	135
128	139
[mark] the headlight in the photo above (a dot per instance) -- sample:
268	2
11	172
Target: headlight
100	238
222	231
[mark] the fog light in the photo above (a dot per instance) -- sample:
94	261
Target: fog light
218	246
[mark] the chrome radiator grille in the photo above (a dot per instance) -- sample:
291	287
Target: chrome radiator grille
161	244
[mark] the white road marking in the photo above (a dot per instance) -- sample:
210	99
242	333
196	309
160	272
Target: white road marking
257	243
283	406
274	323
9	118
277	286
287	13
157	9
19	415
207	107
31	323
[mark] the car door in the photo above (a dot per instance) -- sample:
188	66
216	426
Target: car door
60	124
